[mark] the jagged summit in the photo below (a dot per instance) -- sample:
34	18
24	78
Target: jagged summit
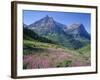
75	26
78	30
47	25
47	19
47	16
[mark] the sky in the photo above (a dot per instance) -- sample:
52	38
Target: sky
66	18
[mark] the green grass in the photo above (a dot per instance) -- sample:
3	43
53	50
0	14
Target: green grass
37	44
33	46
45	51
65	63
85	50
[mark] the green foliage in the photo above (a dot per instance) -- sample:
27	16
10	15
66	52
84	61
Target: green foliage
31	35
25	65
37	44
30	47
85	52
54	38
85	49
67	41
65	63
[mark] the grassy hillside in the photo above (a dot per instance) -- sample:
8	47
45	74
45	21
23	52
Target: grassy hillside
58	39
85	49
40	52
33	46
31	35
66	40
46	55
85	52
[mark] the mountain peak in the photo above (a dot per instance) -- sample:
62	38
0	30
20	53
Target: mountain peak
77	30
48	17
75	26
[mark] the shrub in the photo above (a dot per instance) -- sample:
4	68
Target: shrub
25	65
65	63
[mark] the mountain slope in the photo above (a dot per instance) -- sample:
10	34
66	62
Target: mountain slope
47	25
78	31
31	35
74	37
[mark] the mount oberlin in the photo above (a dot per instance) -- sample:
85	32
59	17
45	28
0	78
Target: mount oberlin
49	43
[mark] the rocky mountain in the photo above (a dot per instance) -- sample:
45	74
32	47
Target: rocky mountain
73	37
25	26
78	31
47	25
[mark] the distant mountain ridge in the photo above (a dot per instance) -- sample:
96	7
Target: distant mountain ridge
74	36
78	30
